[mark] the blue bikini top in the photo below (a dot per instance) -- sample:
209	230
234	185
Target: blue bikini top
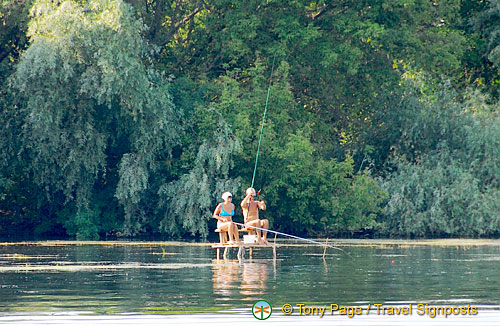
224	213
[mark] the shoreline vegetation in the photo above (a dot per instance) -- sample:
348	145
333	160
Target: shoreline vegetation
125	118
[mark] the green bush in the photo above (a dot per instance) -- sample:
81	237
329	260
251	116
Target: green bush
446	174
318	195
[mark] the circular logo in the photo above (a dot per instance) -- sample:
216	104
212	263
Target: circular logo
262	310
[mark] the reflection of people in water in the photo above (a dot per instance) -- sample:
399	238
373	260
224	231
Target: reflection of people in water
253	278
251	214
225	277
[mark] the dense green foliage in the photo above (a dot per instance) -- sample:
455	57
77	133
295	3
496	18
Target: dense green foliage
447	182
132	117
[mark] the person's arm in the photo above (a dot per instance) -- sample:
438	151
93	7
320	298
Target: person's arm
262	205
244	202
244	208
217	212
245	213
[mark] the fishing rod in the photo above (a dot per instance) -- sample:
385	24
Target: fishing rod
255	170
293	236
263	120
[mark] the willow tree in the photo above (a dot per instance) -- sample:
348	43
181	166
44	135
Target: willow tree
96	116
446	179
187	203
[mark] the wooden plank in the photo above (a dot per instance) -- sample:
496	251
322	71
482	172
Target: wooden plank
219	246
245	245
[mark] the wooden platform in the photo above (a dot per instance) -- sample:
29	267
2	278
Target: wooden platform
223	234
241	246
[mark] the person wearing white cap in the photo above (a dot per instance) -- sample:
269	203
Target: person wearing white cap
224	213
251	215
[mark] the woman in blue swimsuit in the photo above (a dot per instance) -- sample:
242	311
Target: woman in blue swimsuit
224	213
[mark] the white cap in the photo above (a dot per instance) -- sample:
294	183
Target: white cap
226	195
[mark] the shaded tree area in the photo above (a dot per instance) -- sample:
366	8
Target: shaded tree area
132	117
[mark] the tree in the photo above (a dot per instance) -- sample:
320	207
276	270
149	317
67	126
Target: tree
188	202
14	21
92	107
117	115
445	180
485	60
318	195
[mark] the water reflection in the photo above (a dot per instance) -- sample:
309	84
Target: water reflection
169	277
245	279
225	277
253	279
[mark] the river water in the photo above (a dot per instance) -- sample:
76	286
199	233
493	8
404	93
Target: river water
186	278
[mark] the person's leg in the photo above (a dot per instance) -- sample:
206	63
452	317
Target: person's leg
224	226
231	232
265	225
235	233
227	226
254	223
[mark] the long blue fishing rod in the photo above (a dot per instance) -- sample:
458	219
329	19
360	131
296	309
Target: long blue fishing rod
292	236
263	121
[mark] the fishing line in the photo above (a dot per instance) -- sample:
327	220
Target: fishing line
293	236
263	120
255	170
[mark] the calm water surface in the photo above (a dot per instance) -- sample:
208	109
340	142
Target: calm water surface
173	277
